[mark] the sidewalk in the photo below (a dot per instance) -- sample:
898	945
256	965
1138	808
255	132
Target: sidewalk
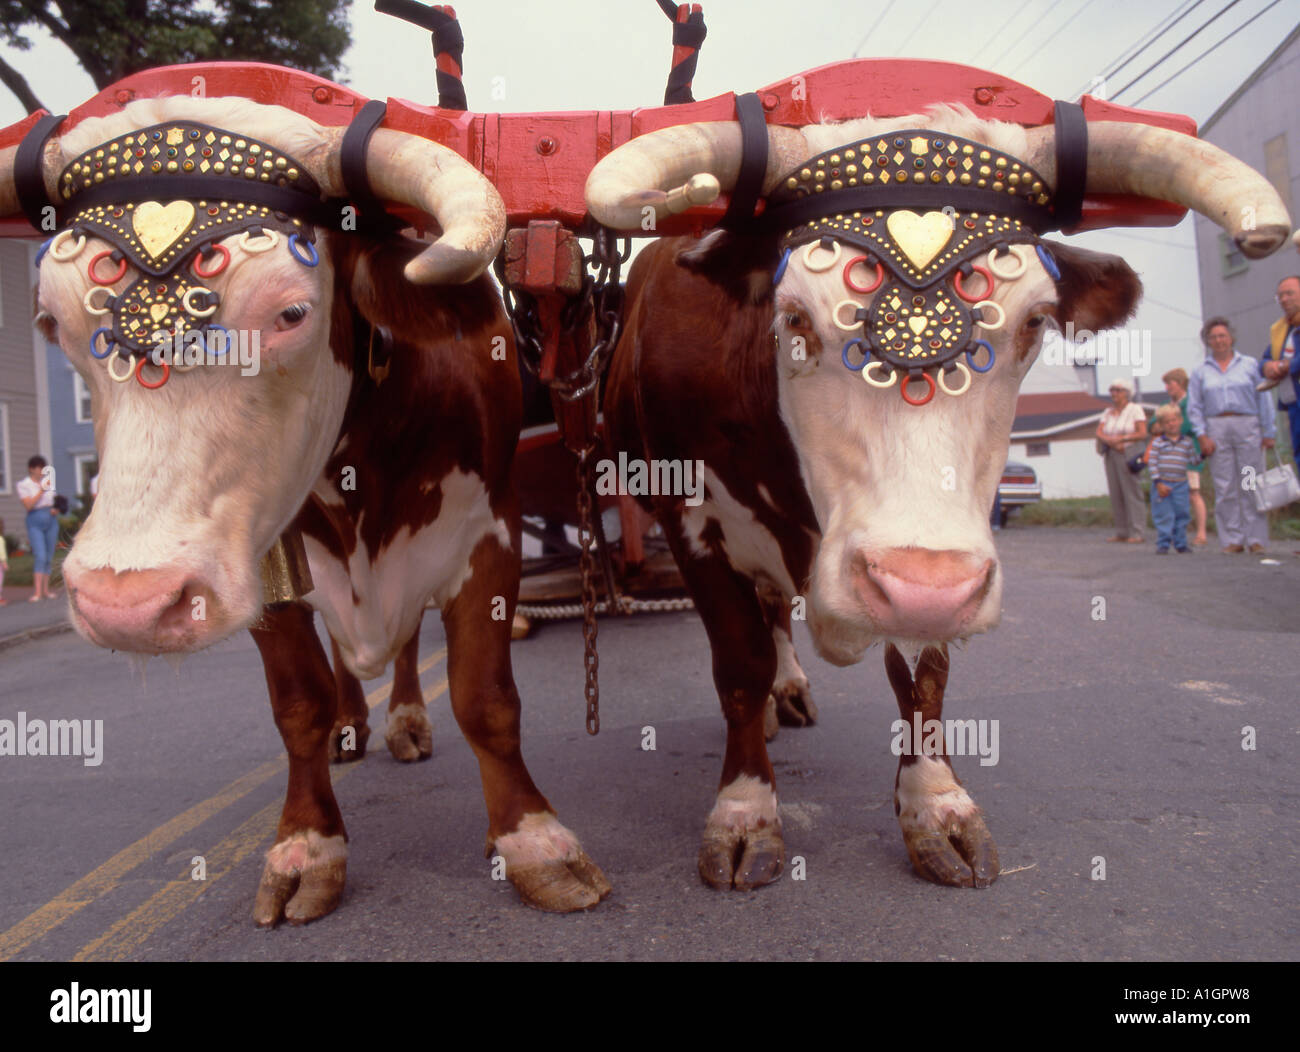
21	620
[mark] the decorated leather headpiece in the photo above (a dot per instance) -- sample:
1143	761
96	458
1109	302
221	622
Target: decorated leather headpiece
922	207
164	197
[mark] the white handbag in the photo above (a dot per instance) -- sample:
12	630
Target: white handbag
1276	487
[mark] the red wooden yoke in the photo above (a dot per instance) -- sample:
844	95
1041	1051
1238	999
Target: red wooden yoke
540	161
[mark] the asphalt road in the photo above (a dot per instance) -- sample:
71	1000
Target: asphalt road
1119	738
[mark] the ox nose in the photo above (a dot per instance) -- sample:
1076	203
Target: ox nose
918	593
148	611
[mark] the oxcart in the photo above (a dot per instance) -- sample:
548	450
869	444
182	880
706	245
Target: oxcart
565	301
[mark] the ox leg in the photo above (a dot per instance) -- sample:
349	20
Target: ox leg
790	703
306	869
351	723
409	733
742	846
543	859
944	831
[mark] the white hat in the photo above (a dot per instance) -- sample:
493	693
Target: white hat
1121	382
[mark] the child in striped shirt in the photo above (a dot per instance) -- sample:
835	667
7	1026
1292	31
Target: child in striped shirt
1168	459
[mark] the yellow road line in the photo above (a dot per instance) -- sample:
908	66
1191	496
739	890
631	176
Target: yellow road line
129	933
105	877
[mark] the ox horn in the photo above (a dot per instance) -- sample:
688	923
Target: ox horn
1127	158
675	168
401	167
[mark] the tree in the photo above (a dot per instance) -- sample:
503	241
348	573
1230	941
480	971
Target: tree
114	38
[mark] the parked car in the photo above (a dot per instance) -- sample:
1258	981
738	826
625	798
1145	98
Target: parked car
1019	486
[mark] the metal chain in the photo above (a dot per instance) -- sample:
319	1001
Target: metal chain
562	612
586	539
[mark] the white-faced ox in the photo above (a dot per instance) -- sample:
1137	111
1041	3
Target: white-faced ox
379	423
849	380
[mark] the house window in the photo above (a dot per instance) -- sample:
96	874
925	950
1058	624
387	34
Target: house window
1038	449
1231	261
81	396
4	448
87	467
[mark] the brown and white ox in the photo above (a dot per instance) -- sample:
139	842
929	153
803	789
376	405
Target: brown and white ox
822	486
400	488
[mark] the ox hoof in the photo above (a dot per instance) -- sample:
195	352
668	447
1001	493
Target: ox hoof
303	879
943	830
409	733
548	867
742	846
348	741
793	703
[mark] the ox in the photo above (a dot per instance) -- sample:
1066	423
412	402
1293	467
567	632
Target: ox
872	511
396	472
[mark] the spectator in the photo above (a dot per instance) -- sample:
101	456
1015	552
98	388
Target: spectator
1175	382
37	496
1169	457
1278	360
1121	433
1234	423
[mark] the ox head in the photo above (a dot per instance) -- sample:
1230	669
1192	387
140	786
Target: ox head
202	466
903	329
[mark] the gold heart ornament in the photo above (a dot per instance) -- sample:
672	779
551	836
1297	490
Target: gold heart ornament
920	238
158	311
158	226
916	324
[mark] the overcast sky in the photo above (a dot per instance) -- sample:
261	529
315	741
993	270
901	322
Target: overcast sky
614	54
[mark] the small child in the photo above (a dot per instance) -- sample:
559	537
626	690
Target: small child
4	563
1168	460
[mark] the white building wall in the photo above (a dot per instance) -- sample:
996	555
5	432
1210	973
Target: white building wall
1074	468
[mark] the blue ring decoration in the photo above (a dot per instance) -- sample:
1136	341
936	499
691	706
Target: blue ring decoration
780	270
1049	264
108	343
844	354
226	332
45	247
970	360
304	260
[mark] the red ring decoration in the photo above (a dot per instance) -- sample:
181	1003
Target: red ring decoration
880	275
902	389
167	371
983	272
121	269
198	258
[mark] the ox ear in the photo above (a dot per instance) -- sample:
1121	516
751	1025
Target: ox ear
743	264
1097	291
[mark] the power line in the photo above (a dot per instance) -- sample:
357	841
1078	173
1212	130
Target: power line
1158	35
1028	29
1222	11
874	25
1001	29
1150	37
1061	28
902	47
1204	53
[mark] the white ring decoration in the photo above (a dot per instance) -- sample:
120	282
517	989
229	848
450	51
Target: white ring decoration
1010	275
130	370
962	389
91	292
813	247
1002	315
60	240
185	302
254	244
866	375
835	316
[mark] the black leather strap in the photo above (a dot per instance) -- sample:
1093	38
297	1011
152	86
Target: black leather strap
1071	164
753	162
29	169
352	154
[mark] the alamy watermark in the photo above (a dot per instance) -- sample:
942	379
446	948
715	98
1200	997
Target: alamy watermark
656	478
950	737
242	348
1120	348
24	737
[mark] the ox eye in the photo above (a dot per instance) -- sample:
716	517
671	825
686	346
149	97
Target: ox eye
795	319
1037	320
291	316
